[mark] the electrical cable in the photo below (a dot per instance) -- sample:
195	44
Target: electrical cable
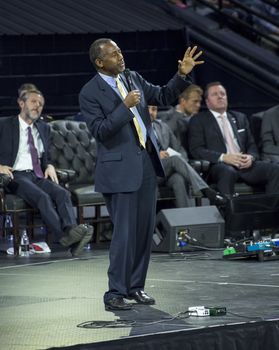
122	323
182	256
131	323
243	316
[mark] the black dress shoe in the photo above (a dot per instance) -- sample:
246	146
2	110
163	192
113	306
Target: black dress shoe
142	298
219	200
117	304
214	197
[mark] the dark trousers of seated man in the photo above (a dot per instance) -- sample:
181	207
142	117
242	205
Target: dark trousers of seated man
52	201
260	173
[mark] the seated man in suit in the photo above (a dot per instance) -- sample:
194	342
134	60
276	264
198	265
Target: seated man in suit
179	173
270	134
24	157
177	118
224	138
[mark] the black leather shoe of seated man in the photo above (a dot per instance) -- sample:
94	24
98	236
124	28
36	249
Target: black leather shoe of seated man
142	298
214	197
219	200
117	304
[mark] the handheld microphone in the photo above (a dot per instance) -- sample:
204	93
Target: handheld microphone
127	74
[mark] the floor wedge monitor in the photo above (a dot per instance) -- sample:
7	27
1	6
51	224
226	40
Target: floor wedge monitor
183	229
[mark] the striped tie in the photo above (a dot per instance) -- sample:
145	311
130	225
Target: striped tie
136	123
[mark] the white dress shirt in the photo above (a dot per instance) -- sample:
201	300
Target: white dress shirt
23	159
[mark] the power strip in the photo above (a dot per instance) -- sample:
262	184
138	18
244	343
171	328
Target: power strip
202	311
199	311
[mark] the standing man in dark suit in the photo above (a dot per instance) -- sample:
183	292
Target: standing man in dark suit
224	138
24	157
115	107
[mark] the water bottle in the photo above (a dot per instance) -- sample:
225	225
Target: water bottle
24	244
8	227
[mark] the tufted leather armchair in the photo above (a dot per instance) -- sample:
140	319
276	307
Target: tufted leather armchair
74	148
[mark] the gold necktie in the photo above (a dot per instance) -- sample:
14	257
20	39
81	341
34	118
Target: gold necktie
136	123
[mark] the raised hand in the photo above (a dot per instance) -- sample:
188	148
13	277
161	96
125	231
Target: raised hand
189	61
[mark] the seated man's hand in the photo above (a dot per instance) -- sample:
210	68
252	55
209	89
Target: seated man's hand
164	154
234	159
246	161
51	173
5	169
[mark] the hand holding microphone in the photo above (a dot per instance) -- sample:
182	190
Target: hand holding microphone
133	97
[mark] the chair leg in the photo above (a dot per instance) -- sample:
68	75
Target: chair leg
30	224
80	218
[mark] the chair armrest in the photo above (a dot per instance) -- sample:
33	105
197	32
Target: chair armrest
205	166
4	180
65	175
200	165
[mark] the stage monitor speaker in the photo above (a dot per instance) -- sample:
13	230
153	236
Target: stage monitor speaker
181	229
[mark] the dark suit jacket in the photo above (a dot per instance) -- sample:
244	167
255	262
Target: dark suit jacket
270	134
9	140
206	140
119	161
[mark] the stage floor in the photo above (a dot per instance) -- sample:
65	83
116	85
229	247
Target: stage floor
44	298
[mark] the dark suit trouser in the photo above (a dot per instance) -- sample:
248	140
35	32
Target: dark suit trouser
133	215
261	173
52	200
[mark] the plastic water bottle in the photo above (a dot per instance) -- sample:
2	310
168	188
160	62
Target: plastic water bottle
24	244
9	227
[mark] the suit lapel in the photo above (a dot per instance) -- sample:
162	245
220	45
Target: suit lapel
158	128
106	88
15	138
233	123
216	127
125	83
